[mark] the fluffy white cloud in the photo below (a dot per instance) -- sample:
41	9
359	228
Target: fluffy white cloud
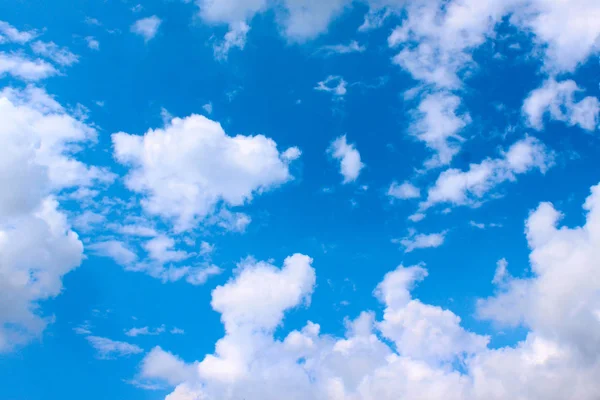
299	20
437	124
37	249
418	330
109	349
439	37
416	240
561	300
37	127
234	38
557	99
469	187
261	292
165	366
191	166
146	27
38	140
567	32
404	191
9	33
349	158
60	55
24	68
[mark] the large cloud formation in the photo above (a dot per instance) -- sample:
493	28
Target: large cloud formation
416	351
37	247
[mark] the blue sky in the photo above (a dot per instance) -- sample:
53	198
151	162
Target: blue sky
341	200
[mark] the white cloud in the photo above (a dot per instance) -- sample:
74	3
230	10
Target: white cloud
9	33
38	142
208	107
160	248
416	351
299	20
146	27
44	125
108	349
191	166
37	249
116	250
469	187
206	248
333	84
560	300
437	124
24	68
92	43
567	32
557	99
416	240
260	293
352	47
177	331
234	38
437	38
416	217
143	331
349	158
404	191
165	366
418	330
60	55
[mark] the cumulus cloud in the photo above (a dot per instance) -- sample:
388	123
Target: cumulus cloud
416	240
21	67
108	349
469	187
560	300
39	140
557	100
438	125
191	166
349	158
404	191
146	27
257	297
37	248
9	33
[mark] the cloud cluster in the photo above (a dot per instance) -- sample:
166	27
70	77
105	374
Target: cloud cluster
416	350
